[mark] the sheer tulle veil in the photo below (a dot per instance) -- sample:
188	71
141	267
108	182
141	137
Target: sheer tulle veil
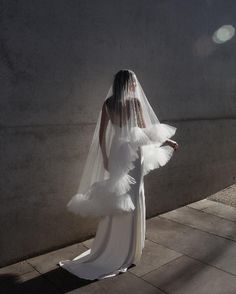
126	125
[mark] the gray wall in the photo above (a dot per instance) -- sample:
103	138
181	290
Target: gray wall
57	59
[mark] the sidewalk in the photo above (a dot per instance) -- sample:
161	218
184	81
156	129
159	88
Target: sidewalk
190	250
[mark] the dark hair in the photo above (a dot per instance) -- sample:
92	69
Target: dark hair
121	82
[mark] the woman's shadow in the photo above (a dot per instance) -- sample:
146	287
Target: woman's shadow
57	280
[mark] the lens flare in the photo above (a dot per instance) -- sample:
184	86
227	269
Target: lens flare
223	34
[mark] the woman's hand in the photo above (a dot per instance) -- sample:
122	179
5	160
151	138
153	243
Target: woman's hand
173	144
105	162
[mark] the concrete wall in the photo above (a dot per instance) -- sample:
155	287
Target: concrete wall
57	59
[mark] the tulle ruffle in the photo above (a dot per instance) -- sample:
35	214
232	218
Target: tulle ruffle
156	133
150	140
110	196
103	198
155	156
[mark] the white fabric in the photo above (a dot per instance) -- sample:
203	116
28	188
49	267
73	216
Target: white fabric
133	144
119	239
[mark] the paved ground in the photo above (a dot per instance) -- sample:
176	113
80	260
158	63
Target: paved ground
226	196
191	250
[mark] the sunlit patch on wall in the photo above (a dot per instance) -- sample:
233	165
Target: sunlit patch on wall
223	34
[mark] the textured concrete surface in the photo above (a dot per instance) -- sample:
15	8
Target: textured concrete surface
203	221
182	255
57	59
225	196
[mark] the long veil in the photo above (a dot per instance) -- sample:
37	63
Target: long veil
126	125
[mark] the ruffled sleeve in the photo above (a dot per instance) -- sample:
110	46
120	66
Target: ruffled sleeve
159	133
155	133
150	140
155	156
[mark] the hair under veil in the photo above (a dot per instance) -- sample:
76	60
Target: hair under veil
125	125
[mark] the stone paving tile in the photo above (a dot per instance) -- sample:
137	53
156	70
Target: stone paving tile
31	282
226	196
48	261
201	245
203	221
222	210
153	256
18	268
88	243
124	283
215	208
185	275
201	204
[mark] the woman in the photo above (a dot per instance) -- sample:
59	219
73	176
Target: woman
126	146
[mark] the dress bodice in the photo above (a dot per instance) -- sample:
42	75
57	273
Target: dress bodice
120	132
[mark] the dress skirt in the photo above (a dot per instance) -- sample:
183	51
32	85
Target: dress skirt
119	238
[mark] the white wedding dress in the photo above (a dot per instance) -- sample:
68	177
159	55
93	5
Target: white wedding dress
119	238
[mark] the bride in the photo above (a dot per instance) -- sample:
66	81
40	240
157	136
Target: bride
126	146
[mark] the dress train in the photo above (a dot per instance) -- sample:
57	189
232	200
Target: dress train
119	238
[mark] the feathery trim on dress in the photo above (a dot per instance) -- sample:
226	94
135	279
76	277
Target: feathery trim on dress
110	196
